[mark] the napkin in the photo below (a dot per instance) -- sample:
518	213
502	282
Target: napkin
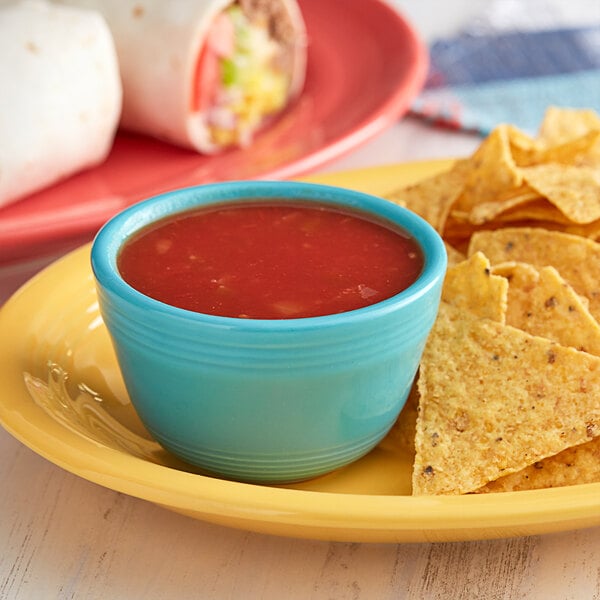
511	63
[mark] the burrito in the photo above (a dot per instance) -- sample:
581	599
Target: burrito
205	74
60	94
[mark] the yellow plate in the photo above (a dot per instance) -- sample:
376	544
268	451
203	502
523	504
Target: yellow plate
62	395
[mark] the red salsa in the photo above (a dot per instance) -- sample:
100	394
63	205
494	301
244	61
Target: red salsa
270	260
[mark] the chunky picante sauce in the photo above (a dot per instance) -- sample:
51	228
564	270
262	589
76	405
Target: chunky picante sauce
270	260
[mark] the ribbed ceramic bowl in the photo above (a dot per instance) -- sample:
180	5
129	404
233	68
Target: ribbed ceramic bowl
267	401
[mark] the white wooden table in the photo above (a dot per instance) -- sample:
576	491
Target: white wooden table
64	538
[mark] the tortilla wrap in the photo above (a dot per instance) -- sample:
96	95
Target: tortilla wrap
60	94
162	48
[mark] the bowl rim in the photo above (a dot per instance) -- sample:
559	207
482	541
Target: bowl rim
115	232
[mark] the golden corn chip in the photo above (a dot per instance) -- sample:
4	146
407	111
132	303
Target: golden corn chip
536	304
591	230
568	136
402	435
577	259
542	303
458	233
523	278
495	183
581	151
495	400
509	381
561	125
524	149
491	171
537	210
433	197
455	256
470	286
488	211
576	465
575	191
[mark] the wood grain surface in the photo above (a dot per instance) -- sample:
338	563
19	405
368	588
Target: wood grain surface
64	538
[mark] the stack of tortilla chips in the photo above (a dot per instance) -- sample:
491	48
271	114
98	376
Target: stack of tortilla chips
508	394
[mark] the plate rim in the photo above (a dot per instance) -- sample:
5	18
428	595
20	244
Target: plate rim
18	239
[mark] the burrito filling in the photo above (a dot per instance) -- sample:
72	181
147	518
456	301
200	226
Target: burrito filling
244	73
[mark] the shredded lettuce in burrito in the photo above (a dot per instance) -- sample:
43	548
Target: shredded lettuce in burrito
243	76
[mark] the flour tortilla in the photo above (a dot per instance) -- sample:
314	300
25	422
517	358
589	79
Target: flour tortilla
60	94
159	44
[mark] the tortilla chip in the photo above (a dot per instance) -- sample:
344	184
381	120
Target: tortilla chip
487	211
508	383
542	303
433	197
575	191
562	125
590	231
459	233
536	304
577	259
524	149
470	286
577	465
495	400
581	151
578	144
537	210
491	171
402	434
455	256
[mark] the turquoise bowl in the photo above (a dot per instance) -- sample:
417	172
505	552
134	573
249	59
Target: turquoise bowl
267	401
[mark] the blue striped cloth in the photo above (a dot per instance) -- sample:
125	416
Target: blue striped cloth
478	80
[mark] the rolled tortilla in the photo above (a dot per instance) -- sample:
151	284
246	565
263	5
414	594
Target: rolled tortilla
60	94
205	74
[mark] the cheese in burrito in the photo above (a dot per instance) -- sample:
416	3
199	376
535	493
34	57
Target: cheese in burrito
205	74
60	96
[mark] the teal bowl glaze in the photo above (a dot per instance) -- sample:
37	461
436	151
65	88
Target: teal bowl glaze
267	401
